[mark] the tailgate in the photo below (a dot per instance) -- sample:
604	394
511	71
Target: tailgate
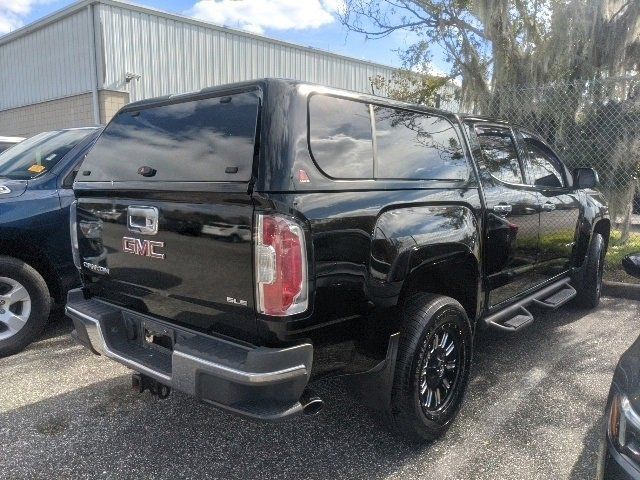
174	241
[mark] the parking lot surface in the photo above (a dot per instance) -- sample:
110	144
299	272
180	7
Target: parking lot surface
533	410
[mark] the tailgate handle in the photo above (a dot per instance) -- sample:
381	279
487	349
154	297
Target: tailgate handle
143	220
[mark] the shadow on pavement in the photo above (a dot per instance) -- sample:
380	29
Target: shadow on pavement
530	394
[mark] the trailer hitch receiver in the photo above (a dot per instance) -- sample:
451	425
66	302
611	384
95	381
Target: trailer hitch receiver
140	383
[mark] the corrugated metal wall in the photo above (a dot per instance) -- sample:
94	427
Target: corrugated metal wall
49	63
173	55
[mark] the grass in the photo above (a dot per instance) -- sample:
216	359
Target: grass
615	253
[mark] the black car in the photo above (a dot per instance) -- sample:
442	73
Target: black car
36	264
621	456
337	234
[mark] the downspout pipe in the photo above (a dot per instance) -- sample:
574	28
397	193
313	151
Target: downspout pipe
94	65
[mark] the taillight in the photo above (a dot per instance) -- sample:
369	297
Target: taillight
281	266
73	226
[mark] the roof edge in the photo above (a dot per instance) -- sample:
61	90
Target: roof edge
306	89
46	20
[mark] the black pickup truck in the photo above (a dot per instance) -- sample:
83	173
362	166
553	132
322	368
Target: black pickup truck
240	242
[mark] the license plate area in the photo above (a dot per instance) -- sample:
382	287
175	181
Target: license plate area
157	337
143	341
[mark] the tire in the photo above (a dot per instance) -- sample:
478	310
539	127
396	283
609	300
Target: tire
417	413
24	305
591	284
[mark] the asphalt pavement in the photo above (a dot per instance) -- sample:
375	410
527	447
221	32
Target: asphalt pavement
533	411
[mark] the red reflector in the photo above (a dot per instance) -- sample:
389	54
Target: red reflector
303	177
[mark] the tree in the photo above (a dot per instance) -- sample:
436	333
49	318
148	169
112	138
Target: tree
408	86
491	44
546	64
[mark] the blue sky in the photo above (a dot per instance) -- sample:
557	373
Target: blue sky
305	22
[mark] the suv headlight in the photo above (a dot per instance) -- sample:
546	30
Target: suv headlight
624	427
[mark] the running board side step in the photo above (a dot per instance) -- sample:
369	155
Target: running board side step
557	299
521	320
516	317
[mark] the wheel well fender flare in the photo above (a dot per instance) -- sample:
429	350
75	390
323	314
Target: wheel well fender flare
408	241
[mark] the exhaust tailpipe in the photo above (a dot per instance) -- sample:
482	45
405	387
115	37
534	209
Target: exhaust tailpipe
311	403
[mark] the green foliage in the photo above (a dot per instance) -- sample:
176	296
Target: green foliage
411	87
492	44
616	252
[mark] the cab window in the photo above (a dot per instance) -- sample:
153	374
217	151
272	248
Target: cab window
340	137
417	146
544	167
500	154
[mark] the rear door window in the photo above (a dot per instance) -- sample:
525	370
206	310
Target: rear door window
340	137
209	139
416	146
500	154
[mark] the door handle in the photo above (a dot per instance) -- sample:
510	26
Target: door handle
548	207
143	220
502	208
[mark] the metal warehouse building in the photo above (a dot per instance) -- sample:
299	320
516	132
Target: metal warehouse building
78	66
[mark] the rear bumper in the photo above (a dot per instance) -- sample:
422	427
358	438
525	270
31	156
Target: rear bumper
258	382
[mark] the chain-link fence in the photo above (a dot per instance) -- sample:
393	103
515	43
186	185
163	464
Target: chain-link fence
589	124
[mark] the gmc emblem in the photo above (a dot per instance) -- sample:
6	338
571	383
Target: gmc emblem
146	248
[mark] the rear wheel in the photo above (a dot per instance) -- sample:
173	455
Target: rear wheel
591	285
24	305
432	368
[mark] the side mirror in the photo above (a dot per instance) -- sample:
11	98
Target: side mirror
585	178
631	264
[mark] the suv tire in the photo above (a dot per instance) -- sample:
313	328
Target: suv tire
432	367
591	285
24	305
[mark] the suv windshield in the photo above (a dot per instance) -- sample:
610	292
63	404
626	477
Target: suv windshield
39	154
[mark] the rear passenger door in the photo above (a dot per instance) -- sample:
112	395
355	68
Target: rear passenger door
512	223
560	207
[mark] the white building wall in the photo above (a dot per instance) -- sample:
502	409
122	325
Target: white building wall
48	63
176	55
